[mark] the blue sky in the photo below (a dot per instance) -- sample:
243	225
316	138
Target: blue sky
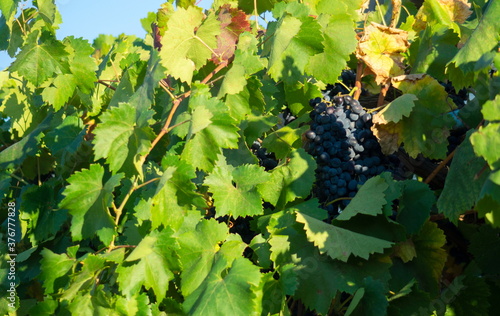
90	18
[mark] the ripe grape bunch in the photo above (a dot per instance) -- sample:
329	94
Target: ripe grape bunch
346	151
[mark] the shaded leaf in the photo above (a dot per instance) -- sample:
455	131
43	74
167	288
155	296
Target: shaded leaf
156	258
88	199
120	140
340	243
368	200
462	178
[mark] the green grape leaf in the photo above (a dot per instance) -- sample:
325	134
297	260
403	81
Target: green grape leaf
5	181
185	3
88	199
273	293
430	106
414	205
262	251
471	294
373	300
233	22
66	137
246	62
144	96
36	210
54	270
485	247
431	257
124	91
182	179
138	304
491	109
405	250
462	178
369	200
44	308
298	94
255	126
262	5
398	108
201	150
488	202
15	154
235	189
320	277
47	10
486	144
433	50
83	67
339	42
82	280
340	243
200	119
17	39
174	196
9	7
412	303
284	140
120	140
61	89
4	33
478	51
226	291
38	62
198	248
291	180
292	45
188	42
150	265
248	100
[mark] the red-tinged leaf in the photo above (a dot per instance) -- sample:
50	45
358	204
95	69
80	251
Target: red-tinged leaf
233	23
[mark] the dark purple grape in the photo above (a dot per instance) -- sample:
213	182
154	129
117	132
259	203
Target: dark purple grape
310	135
353	184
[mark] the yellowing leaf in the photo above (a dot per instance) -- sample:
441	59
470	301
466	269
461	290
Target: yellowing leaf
442	11
188	42
387	135
422	127
381	49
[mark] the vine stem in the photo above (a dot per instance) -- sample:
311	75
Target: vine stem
396	11
116	247
338	200
119	211
447	159
383	93
146	183
441	165
166	128
359	73
107	85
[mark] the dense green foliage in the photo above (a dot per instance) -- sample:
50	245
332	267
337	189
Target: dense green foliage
131	188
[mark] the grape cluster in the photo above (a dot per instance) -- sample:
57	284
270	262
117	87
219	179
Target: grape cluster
346	151
459	98
266	159
348	78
